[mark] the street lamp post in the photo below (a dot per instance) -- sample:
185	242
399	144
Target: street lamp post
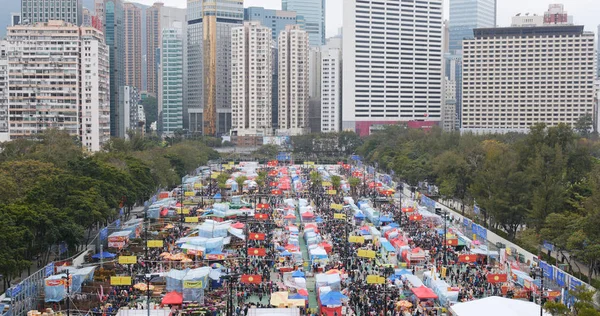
146	224
445	236
68	294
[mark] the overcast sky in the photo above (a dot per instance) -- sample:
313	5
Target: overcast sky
585	12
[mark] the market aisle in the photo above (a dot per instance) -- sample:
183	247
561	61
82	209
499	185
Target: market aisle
310	279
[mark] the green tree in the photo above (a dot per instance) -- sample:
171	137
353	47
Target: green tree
336	182
222	182
150	110
556	309
354	183
584	125
240	182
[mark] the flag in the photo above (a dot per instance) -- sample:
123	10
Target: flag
496	278
467	258
261	216
452	242
256	236
261	206
261	252
251	279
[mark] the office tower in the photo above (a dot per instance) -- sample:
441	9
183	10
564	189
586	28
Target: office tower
99	12
114	32
15	18
293	81
33	11
75	57
171	79
502	93
331	85
449	107
392	53
251	80
314	88
94	87
276	20
209	63
4	136
133	46
159	17
129	105
466	15
453	76
313	12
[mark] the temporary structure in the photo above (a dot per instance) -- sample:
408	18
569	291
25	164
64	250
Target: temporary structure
496	306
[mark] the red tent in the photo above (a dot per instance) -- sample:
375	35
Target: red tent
173	298
326	246
423	293
308	215
289	216
238	225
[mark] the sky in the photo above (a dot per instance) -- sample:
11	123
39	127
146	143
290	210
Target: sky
586	12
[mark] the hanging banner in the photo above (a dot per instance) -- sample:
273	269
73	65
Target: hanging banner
560	277
261	252
251	279
336	207
256	236
416	217
120	280
193	284
326	183
197	185
127	259
190	193
467	258
496	278
375	279
191	219
366	253
356	239
331	192
339	216
452	242
155	243
261	216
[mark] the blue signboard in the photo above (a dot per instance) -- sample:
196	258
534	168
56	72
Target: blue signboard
548	270
466	222
355	157
574	283
118	223
49	269
476	209
16	290
548	245
103	234
62	248
560	277
284	156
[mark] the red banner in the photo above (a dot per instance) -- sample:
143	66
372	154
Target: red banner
261	216
407	210
261	206
496	278
251	279
256	236
416	217
261	252
276	192
452	242
273	184
467	258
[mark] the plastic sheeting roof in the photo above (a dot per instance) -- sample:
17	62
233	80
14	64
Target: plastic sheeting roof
496	306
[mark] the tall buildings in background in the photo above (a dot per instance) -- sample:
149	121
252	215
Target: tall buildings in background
275	20
133	46
547	77
466	15
556	15
313	12
129	105
67	88
251	80
4	91
293	81
114	32
331	85
171	79
452	91
33	11
209	63
15	18
598	52
392	65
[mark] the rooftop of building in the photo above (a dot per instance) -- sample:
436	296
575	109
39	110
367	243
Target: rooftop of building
529	31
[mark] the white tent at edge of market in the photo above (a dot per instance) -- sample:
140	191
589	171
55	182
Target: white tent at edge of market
496	306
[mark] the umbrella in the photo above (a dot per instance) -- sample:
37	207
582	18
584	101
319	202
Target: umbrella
143	287
289	216
279	248
285	254
319	219
238	225
333	271
216	266
298	274
303	292
359	215
104	255
173	298
404	304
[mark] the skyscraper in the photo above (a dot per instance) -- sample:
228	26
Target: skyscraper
293	81
313	12
33	11
331	85
276	20
133	46
555	86
392	62
114	32
171	79
466	15
209	63
251	80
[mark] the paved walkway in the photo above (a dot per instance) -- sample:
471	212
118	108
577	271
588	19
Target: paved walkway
310	280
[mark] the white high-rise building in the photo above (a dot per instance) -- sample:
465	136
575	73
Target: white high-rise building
392	52
251	80
171	79
67	89
331	85
4	136
95	94
546	75
293	81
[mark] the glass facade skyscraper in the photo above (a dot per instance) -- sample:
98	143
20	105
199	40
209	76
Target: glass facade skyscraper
313	12
114	33
466	15
276	20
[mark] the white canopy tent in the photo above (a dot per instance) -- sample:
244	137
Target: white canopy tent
496	306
